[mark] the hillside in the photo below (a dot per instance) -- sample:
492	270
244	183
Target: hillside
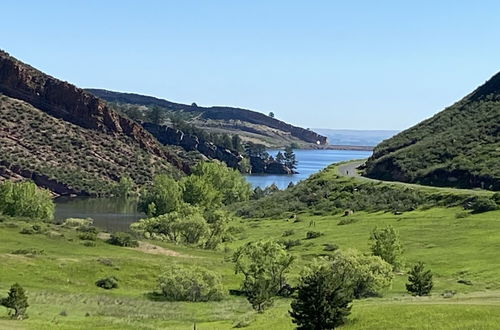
458	147
351	137
250	125
69	141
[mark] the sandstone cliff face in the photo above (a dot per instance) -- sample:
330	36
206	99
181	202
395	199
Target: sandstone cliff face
63	100
171	136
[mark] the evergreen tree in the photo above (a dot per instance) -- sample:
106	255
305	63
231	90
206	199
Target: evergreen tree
16	300
236	143
280	158
419	280
156	115
323	300
290	160
271	114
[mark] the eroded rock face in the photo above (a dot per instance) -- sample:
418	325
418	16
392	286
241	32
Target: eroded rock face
171	136
63	100
260	165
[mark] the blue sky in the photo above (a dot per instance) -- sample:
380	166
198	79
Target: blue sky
329	64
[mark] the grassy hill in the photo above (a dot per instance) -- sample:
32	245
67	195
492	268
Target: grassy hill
252	126
69	141
458	147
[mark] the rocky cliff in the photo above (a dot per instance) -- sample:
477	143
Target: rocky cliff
63	100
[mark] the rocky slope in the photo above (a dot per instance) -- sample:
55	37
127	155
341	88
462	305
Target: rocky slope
458	147
250	125
53	130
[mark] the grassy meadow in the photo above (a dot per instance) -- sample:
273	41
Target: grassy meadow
62	294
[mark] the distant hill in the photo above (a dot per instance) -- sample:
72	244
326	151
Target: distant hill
68	140
458	147
251	126
349	137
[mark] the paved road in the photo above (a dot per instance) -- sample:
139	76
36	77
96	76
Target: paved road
349	169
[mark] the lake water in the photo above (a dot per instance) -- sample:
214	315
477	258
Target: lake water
310	161
116	214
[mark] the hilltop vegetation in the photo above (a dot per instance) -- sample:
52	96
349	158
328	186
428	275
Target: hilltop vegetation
458	147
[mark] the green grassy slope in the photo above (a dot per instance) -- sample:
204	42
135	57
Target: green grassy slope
63	278
458	147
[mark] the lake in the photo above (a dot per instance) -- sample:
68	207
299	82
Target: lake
116	214
310	161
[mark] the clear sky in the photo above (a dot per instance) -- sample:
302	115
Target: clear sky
327	64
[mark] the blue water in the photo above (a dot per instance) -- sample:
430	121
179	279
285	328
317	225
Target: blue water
310	161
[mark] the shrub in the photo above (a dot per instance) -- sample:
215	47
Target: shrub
77	223
190	284
288	232
16	300
25	199
87	229
330	247
106	262
29	252
313	234
419	280
483	204
89	243
122	239
27	231
87	236
462	214
347	220
107	283
289	243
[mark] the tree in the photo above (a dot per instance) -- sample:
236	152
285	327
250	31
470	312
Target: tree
385	243
25	199
264	265
366	275
271	114
419	280
226	142
230	183
197	190
280	158
190	284
323	299
156	115
236	143
16	300
125	187
218	222
289	157
162	197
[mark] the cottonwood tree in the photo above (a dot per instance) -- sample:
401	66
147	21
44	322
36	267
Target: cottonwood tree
386	244
163	196
323	299
264	265
419	280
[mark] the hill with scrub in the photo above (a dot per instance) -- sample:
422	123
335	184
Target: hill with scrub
251	126
69	141
458	147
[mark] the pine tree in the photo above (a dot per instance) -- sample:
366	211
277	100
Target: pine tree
290	160
280	158
16	300
323	301
419	280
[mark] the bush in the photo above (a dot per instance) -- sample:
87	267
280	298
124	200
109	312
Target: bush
190	284
89	243
29	252
77	223
16	300
347	220
483	204
27	231
330	247
25	199
87	236
288	232
122	239
289	243
462	214
385	243
107	283
88	229
313	234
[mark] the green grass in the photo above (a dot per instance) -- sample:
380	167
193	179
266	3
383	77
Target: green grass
62	279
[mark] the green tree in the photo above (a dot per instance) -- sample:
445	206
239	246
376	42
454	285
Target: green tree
25	199
264	264
419	280
386	244
190	284
271	114
236	143
156	115
197	190
162	197
289	158
218	222
323	299
16	300
366	275
226	142
280	158
230	183
125	187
